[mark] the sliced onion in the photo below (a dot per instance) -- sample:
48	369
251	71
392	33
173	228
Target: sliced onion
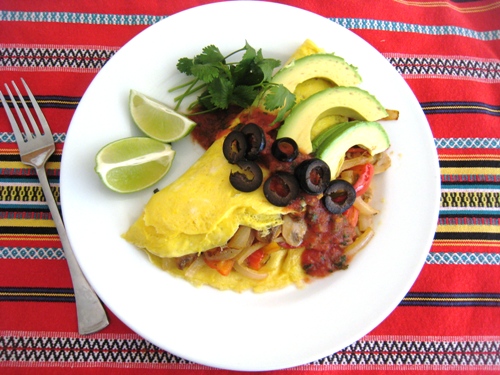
194	267
268	236
349	163
247	272
242	238
347	176
382	162
222	254
364	222
359	243
363	207
249	251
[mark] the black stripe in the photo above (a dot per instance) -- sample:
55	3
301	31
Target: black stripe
37	208
54	158
469	183
452	299
489	215
49	101
28	178
466	236
430	108
28	230
19	294
469	164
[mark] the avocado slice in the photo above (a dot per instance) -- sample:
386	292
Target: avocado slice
320	65
324	124
352	102
367	134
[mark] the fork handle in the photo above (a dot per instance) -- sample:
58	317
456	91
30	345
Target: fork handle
90	311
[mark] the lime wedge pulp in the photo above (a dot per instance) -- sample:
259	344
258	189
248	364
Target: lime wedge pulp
133	164
157	120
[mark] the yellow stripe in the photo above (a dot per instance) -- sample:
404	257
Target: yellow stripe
53	101
37	294
26	223
481	8
21	165
465	107
469	157
469	228
24	237
470	171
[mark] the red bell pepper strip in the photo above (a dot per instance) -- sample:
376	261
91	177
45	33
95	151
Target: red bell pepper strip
365	175
224	267
352	216
255	260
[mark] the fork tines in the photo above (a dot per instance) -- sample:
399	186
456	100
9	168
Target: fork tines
34	131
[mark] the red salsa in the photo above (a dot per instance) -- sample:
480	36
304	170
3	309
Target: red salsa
327	233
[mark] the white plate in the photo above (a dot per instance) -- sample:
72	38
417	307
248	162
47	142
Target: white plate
224	329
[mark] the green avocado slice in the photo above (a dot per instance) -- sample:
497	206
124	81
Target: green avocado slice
352	102
367	134
321	65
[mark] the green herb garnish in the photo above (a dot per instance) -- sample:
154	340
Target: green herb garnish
223	83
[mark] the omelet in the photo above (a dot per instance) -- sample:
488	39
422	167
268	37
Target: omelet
201	211
282	269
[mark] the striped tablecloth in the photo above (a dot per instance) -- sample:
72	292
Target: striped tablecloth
449	53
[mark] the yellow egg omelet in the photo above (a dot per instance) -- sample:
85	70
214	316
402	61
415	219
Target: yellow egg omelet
201	211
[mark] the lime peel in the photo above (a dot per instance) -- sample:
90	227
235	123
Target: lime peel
151	161
157	120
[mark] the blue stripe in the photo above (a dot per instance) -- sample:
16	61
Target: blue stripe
486	211
8	137
31	253
463	258
86	18
467	143
144	19
369	24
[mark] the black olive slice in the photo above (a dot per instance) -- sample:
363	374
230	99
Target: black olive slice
249	178
235	146
313	175
281	188
256	140
339	196
285	149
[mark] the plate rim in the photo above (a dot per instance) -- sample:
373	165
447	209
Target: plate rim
64	192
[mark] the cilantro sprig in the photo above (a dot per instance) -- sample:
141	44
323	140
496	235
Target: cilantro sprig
240	83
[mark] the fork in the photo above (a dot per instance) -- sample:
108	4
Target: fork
35	147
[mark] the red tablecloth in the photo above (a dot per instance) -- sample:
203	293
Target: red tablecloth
449	53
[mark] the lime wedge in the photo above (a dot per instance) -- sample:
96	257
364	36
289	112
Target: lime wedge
157	120
133	164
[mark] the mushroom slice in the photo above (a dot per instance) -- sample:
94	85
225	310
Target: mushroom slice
293	230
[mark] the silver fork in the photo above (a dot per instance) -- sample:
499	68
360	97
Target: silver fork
35	147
